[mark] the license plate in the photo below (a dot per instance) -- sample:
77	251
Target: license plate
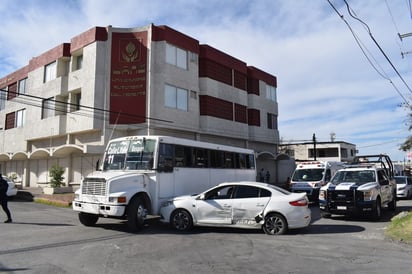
341	207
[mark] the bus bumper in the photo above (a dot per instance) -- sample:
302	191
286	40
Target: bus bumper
104	210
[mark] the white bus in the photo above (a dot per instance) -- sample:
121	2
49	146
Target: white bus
138	173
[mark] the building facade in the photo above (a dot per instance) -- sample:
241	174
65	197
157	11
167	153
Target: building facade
64	106
325	151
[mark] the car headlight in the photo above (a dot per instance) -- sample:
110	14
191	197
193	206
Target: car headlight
322	194
167	203
367	195
401	188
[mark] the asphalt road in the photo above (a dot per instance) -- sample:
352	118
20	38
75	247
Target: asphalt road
46	239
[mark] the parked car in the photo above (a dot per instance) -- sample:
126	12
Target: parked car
12	190
242	205
403	187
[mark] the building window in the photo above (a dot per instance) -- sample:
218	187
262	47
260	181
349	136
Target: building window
47	108
77	62
343	152
22	86
3	98
15	119
272	121
270	93
176	97
50	72
176	56
75	101
20	118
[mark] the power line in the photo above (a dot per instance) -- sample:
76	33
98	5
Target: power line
377	44
363	49
82	107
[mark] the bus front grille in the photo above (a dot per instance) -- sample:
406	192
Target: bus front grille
94	186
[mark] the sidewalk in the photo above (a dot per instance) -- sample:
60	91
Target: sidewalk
35	194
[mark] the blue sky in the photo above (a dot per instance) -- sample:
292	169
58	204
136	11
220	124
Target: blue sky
325	82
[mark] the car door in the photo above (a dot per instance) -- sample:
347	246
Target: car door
215	207
248	202
386	191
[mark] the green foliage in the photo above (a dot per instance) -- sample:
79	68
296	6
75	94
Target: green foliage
400	228
56	174
12	176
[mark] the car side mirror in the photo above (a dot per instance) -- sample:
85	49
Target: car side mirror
201	197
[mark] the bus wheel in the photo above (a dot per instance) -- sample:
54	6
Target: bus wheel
181	220
136	214
88	219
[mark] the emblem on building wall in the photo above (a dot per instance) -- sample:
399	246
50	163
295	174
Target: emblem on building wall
130	54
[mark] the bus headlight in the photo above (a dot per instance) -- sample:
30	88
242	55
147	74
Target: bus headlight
119	200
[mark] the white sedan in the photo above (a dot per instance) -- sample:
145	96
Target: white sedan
239	204
403	187
12	189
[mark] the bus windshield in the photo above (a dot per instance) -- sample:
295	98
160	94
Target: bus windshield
135	154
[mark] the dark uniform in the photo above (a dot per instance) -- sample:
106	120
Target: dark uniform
3	198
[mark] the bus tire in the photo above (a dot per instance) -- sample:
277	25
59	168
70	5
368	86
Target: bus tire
136	214
88	219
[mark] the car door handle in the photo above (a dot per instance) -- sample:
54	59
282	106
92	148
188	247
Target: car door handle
226	206
260	205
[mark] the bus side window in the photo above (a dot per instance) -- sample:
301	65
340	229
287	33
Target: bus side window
165	163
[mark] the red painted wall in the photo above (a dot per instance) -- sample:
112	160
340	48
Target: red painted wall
128	78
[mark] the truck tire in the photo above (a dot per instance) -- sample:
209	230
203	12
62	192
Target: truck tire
136	214
377	210
392	204
88	219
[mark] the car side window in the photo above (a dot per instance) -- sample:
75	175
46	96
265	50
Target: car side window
246	192
265	193
220	193
383	179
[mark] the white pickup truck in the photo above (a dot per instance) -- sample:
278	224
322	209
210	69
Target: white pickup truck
363	187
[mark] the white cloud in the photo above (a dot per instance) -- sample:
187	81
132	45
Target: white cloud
325	83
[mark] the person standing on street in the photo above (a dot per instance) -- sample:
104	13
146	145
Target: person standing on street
262	175
3	198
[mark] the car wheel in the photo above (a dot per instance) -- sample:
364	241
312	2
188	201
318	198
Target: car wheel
377	211
136	214
275	224
88	219
181	220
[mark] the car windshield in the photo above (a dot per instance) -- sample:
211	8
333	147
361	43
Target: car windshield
130	155
308	175
358	177
400	180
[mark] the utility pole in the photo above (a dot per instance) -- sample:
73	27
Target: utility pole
401	36
314	146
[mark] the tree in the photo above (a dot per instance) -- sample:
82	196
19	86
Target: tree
407	145
56	174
